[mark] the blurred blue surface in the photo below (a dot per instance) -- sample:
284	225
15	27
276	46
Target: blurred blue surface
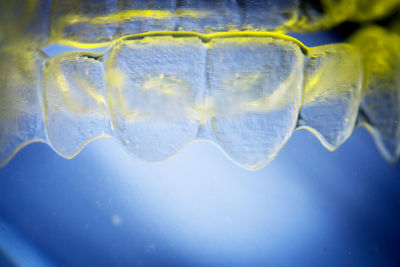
309	207
104	208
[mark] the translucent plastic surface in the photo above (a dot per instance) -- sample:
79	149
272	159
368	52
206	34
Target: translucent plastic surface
380	104
75	106
21	114
255	94
332	92
156	92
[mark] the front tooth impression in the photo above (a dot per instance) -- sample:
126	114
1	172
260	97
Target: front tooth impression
21	117
332	91
156	88
75	106
255	90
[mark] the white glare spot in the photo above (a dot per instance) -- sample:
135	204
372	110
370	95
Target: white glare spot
116	220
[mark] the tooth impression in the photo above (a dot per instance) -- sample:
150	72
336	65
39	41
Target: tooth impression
255	89
21	115
156	88
75	107
380	104
332	91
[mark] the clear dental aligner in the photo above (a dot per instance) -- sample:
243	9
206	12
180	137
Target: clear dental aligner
246	92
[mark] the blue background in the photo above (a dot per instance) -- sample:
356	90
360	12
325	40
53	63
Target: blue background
309	207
